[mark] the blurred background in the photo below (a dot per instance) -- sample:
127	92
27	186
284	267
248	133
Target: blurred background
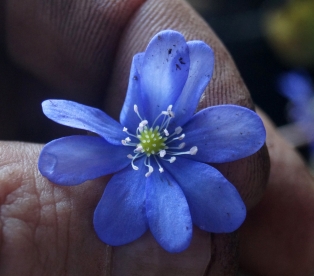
266	38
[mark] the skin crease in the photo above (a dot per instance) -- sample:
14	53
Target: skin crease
77	49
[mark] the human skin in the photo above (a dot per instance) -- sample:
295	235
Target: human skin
82	50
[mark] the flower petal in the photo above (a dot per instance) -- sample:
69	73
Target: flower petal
75	159
128	117
80	116
120	215
164	72
215	204
296	86
224	133
200	73
168	212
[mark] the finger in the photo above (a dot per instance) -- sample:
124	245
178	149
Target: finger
248	175
56	49
277	237
69	44
225	88
45	227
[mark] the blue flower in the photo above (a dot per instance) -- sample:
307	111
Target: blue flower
298	88
159	151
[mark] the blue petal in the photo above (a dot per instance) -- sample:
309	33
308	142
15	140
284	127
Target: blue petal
215	204
75	159
120	215
224	133
164	72
296	86
201	70
128	117
84	117
168	212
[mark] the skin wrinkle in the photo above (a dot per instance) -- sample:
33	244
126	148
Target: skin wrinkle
41	212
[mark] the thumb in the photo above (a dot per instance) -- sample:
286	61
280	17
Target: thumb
44	226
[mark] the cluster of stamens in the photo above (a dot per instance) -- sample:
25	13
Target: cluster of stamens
155	141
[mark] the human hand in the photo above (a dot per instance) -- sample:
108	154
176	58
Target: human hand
73	48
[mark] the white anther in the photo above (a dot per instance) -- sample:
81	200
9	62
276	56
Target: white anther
130	156
125	129
135	108
169	108
178	130
181	146
150	170
128	139
193	150
162	153
134	167
143	123
139	148
161	169
166	132
124	143
181	136
172	159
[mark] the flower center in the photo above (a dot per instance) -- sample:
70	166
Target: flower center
156	141
151	141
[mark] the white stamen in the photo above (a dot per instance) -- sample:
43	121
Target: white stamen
181	146
162	153
156	140
150	170
139	148
178	130
143	123
161	170
134	167
193	150
169	110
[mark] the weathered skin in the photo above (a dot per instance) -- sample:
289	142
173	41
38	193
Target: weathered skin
82	50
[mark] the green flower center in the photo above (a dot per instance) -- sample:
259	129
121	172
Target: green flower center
151	141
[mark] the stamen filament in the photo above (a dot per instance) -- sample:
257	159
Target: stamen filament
161	170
